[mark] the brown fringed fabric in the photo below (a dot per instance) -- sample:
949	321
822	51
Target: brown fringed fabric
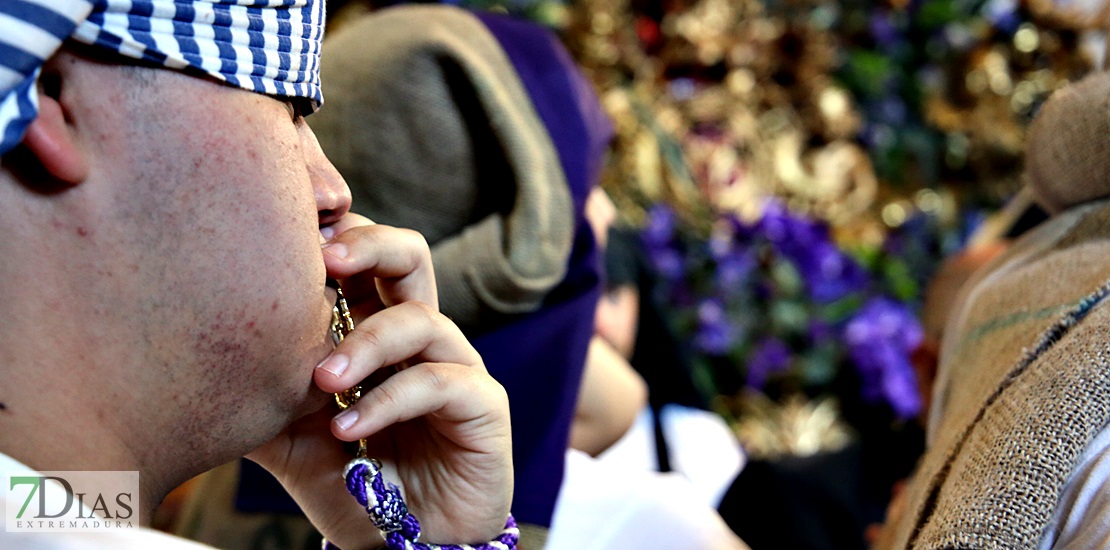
434	131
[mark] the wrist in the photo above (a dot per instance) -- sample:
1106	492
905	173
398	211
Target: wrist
387	511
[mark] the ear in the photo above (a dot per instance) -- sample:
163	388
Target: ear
51	140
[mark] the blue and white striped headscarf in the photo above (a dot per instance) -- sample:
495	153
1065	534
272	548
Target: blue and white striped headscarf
266	46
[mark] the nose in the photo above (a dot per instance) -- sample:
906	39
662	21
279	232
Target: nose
333	197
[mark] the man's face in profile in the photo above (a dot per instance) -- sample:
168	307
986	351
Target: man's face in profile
224	214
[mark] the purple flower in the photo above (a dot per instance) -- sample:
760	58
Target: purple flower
908	238
659	228
787	231
883	319
880	338
1002	14
711	311
873	358
733	269
741	231
720	243
716	332
882	28
667	262
900	391
734	257
795	238
888	320
829	273
819	331
770	356
658	236
892	110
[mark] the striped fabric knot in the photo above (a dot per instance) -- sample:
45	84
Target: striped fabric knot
382	500
266	46
387	511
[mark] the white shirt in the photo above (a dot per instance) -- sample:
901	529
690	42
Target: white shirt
701	446
601	507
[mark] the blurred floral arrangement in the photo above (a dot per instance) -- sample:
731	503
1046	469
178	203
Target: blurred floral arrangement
776	306
843	109
799	168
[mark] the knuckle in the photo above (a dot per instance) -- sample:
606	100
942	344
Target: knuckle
496	387
365	336
360	233
417	241
476	360
425	309
427	313
439	377
371	237
388	396
417	247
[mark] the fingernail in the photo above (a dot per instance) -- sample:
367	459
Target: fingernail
346	419
336	364
339	250
327	232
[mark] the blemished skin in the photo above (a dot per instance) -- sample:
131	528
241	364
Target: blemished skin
164	246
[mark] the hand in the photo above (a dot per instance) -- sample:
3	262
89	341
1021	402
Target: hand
440	425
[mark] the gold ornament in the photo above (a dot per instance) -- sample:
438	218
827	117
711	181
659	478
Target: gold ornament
341	325
794	427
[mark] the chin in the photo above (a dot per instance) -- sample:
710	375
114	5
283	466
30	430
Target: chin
299	395
316	400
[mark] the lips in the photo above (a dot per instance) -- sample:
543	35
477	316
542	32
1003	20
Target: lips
331	292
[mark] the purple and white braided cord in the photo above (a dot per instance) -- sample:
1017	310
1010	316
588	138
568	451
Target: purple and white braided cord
388	512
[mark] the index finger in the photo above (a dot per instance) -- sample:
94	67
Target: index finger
398	261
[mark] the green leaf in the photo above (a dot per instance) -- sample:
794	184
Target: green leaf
818	366
937	13
840	310
900	280
789	316
785	277
867	71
